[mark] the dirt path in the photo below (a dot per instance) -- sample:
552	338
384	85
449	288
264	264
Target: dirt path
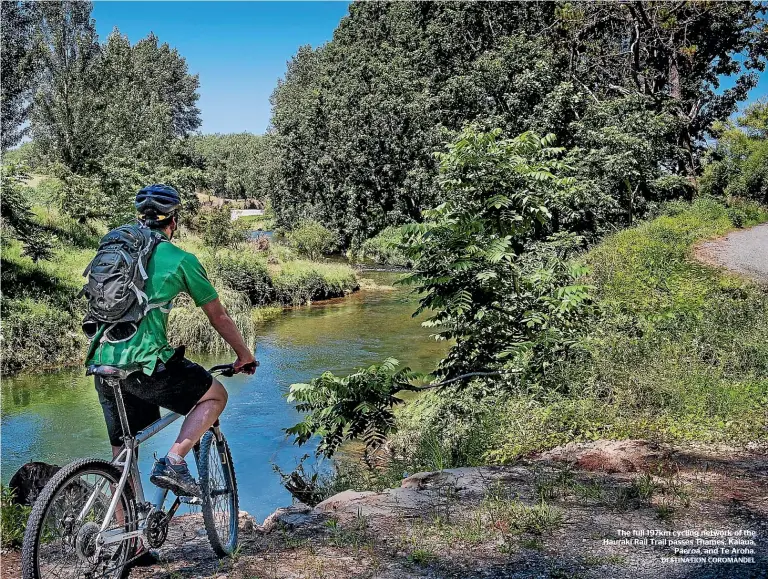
744	251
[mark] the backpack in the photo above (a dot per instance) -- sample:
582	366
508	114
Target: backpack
115	282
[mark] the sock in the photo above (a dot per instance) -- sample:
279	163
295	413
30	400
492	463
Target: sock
174	458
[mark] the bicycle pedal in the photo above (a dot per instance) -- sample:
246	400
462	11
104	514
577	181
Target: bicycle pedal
191	500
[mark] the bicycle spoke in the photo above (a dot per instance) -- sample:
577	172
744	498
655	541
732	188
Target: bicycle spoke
67	545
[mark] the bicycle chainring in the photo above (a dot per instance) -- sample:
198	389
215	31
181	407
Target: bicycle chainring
156	531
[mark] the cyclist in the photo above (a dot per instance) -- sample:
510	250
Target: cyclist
166	378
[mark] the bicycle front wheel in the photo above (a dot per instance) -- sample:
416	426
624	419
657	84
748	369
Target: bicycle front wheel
220	504
61	539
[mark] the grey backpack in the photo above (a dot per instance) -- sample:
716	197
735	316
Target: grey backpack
115	282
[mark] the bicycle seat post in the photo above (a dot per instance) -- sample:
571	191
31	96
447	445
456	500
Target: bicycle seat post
115	384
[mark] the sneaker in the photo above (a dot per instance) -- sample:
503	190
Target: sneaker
174	477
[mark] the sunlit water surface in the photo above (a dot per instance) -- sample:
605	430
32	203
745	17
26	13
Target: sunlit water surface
56	417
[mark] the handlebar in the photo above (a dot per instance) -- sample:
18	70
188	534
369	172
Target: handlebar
228	370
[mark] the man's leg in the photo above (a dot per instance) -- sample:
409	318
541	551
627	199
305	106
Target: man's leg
200	418
171	471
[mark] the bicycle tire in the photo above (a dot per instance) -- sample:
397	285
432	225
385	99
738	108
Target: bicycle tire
31	545
222	545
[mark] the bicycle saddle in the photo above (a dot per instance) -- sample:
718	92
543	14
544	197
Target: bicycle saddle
112	371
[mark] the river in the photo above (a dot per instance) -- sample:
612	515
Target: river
56	417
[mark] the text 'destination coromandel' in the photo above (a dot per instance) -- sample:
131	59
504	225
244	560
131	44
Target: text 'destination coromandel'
696	546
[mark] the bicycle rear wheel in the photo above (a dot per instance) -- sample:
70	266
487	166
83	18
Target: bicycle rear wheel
219	486
60	539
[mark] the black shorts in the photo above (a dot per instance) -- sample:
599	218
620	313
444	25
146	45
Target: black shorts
176	385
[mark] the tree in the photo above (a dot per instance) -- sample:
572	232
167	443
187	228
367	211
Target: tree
355	121
673	53
236	166
18	70
312	240
484	261
738	164
65	116
490	273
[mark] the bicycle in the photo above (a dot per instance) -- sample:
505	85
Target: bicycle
90	517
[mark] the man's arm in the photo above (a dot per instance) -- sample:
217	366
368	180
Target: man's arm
227	329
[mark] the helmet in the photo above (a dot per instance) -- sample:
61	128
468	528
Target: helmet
157	200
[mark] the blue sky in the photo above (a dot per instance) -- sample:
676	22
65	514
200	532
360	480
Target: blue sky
239	49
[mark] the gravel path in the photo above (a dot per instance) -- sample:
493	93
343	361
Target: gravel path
744	251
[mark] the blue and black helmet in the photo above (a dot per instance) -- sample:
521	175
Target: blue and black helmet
157	202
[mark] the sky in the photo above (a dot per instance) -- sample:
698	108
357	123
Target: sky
239	49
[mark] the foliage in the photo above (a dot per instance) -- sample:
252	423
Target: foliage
348	407
631	87
301	282
505	307
18	70
384	248
312	239
109	119
738	164
189	325
65	121
14	207
245	274
17	214
218	231
37	335
678	354
13	517
236	165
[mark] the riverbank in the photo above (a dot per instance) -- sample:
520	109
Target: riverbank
557	514
677	352
42	314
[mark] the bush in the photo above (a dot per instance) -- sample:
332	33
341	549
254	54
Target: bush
219	231
37	336
13	519
302	282
246	275
189	325
384	248
312	239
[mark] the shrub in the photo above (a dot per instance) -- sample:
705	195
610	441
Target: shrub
312	239
37	335
189	325
301	282
247	275
219	231
385	248
13	519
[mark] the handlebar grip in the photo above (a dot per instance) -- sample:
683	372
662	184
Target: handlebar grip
248	367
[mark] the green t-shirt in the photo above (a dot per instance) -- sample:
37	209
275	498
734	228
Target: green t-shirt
170	271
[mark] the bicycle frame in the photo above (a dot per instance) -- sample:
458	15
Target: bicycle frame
127	461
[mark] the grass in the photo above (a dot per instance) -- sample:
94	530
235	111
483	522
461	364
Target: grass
678	353
13	519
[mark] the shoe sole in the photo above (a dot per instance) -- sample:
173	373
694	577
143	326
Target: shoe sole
169	484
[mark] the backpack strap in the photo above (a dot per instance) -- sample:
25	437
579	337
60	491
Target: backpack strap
165	308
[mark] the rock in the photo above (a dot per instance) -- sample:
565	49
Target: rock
611	456
341	500
246	522
288	517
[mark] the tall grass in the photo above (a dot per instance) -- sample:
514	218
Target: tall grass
189	325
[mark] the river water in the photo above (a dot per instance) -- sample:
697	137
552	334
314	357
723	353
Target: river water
56	417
